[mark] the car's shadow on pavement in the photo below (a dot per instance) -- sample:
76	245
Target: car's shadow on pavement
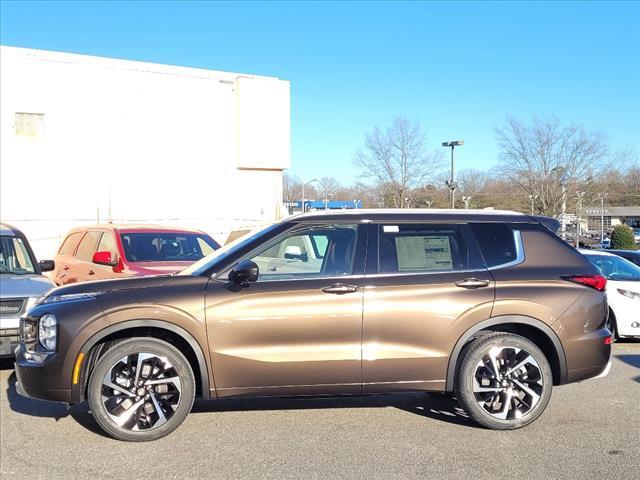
438	407
435	406
630	359
56	410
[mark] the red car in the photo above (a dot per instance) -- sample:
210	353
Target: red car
112	251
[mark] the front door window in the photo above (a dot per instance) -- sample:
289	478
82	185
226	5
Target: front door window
313	252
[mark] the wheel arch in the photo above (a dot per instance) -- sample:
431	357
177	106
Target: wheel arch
145	328
533	329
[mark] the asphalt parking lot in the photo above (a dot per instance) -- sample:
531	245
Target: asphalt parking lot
590	430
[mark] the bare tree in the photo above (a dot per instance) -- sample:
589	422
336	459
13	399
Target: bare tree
290	187
545	155
397	160
329	186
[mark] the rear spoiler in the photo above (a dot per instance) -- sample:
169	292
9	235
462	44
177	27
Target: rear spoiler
551	223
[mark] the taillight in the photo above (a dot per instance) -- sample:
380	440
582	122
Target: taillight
594	281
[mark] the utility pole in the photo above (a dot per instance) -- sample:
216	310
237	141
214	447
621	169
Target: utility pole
579	196
532	198
109	221
601	196
451	183
466	201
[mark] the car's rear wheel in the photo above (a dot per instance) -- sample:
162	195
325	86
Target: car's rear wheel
504	381
141	389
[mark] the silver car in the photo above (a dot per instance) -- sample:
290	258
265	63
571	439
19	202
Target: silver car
21	284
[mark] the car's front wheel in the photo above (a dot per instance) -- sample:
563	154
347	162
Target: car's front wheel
141	389
504	381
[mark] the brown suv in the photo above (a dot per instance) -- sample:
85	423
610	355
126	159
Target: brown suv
489	305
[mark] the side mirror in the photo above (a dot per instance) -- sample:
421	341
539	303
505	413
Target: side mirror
104	258
293	252
47	265
244	272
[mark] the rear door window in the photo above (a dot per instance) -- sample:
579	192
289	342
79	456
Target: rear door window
88	245
497	243
416	248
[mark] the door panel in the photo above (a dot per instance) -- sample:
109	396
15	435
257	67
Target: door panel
411	324
425	284
298	329
285	337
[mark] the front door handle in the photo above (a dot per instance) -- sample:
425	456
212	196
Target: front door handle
472	283
340	289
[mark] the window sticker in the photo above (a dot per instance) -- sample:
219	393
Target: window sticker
423	253
390	228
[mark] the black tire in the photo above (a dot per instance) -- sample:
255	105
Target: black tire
612	325
482	406
178	393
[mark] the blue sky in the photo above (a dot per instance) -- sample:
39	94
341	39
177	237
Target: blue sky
460	68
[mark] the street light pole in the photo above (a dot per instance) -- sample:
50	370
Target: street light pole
303	199
450	183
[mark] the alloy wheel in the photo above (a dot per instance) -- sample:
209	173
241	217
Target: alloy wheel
508	382
141	391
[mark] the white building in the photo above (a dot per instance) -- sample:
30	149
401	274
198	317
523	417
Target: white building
156	143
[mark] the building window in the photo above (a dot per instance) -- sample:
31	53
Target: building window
30	125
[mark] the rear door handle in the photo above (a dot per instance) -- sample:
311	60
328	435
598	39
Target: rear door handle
340	289
472	283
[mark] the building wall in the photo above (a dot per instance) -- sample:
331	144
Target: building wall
159	144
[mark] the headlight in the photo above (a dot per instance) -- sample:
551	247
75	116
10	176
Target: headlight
48	331
629	293
71	297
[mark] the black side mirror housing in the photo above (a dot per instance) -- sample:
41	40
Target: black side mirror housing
47	265
244	272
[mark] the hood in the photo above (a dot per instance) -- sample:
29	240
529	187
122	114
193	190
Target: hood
158	268
115	284
20	286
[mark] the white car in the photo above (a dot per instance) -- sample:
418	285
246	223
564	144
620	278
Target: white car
623	292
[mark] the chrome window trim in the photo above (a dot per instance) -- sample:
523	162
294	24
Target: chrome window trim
517	238
432	272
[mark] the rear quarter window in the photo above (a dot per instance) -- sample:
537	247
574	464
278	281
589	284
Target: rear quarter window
69	244
496	242
88	245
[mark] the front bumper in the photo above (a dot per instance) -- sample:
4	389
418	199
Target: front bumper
42	381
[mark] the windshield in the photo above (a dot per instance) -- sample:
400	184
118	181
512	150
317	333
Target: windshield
14	256
615	268
207	262
166	246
